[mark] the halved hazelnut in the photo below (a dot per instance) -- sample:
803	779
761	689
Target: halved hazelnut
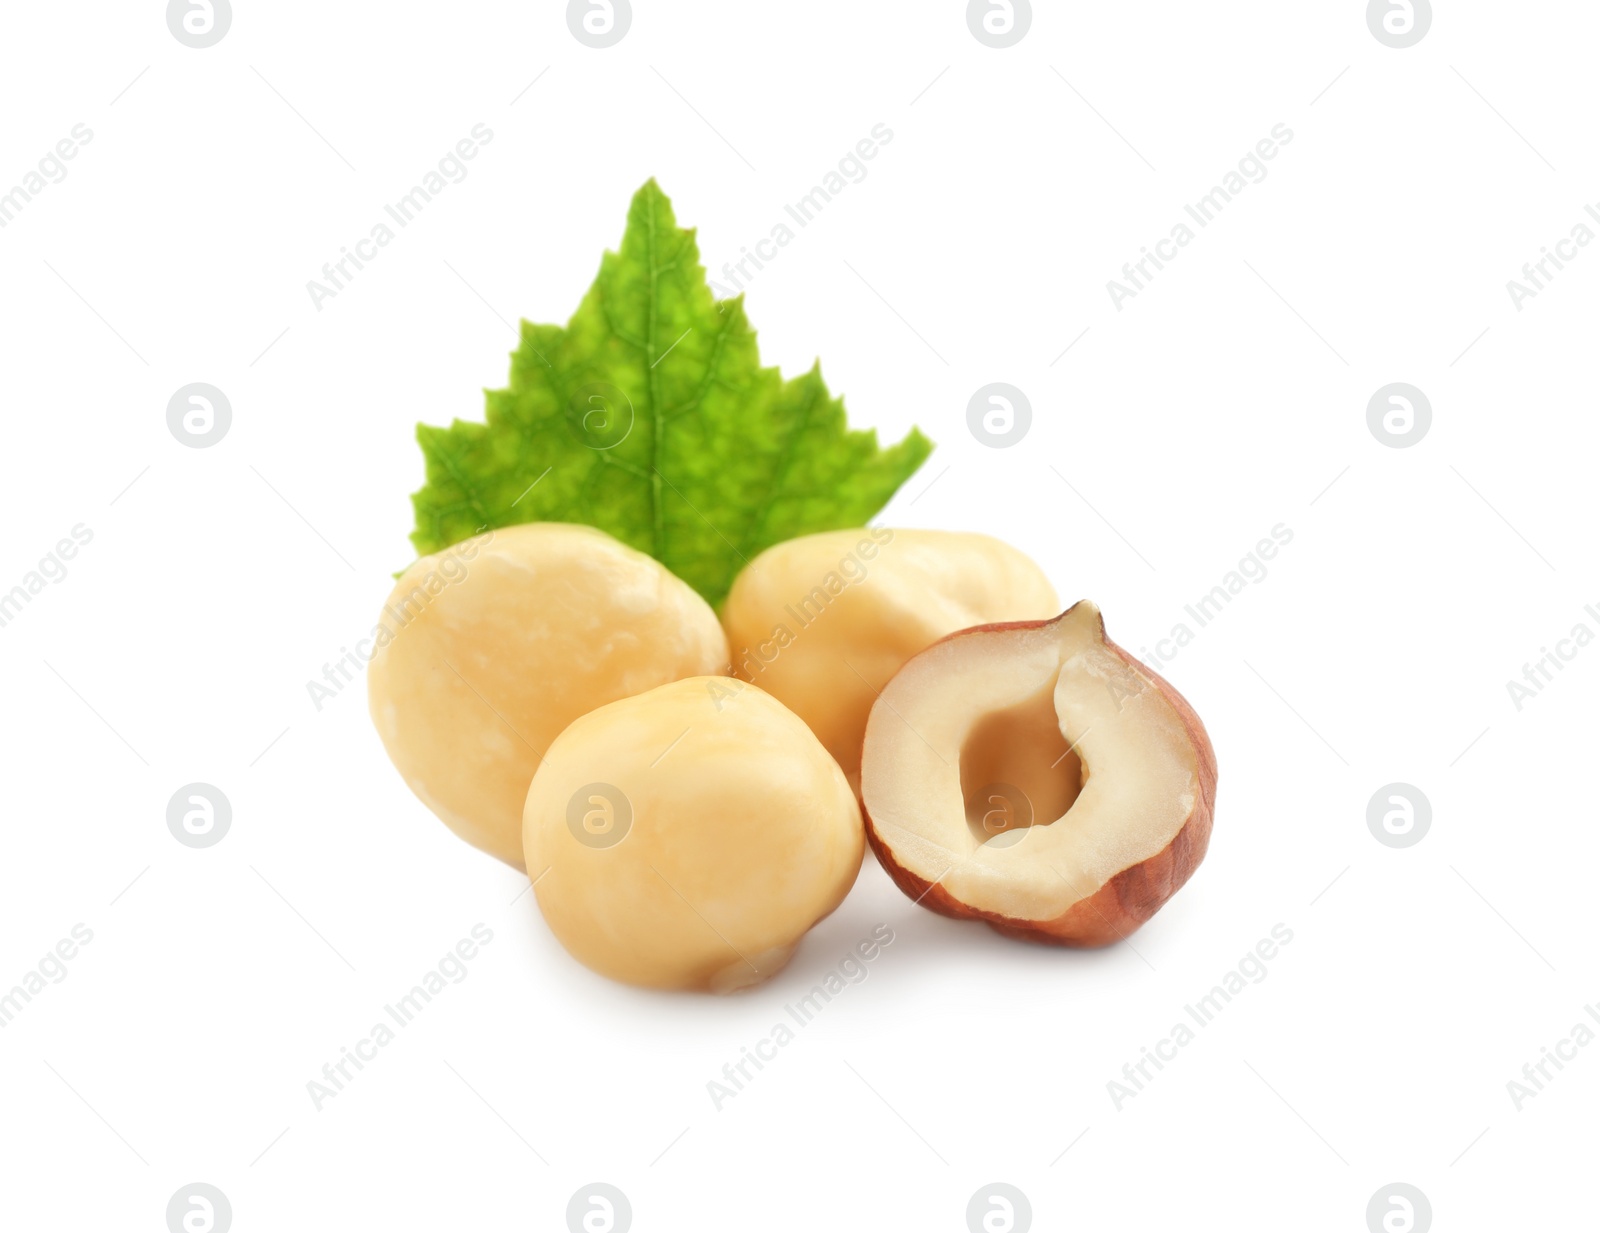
1037	777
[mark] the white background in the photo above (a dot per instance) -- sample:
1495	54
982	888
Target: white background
1171	437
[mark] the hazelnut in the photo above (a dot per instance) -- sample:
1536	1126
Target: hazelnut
688	837
497	644
823	622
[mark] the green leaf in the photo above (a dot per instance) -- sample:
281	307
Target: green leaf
649	416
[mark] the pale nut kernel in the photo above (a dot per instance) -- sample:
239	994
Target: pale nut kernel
687	838
823	622
486	651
